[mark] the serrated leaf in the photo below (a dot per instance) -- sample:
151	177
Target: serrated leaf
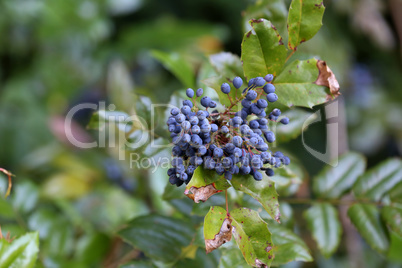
295	85
252	236
297	119
263	191
377	181
304	21
217	228
393	218
288	246
204	184
160	238
262	50
366	219
21	252
323	222
333	182
177	65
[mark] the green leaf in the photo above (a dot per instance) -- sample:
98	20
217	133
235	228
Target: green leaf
160	238
377	181
395	194
295	85
393	218
173	192
298	118
202	208
323	222
22	252
262	50
272	10
213	221
177	65
100	118
204	184
138	264
304	21
288	246
366	219
263	191
334	181
231	258
25	196
288	178
200	260
252	236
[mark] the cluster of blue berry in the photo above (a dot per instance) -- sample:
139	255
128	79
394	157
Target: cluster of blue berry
225	141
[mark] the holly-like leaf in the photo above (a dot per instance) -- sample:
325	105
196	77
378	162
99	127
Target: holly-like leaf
262	51
295	85
177	65
288	178
376	182
160	238
204	184
332	181
263	191
21	252
252	236
323	223
393	218
288	246
366	218
217	228
304	21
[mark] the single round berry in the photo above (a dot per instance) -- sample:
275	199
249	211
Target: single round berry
186	110
246	103
276	112
251	82
225	129
284	121
225	88
269	136
205	101
272	97
186	125
237	82
269	77
251	95
190	92
180	118
269	172
218	152
286	160
261	103
214	127
199	92
257	176
269	88
259	81
254	124
175	111
237	120
212	104
255	110
194	120
201	115
195	129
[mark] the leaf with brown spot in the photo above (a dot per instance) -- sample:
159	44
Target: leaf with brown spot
327	78
252	236
217	228
204	184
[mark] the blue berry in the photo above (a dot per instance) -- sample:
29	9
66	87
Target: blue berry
206	101
174	111
244	170
171	120
269	77
190	92
201	115
195	129
269	136
269	88
228	175
185	110
180	118
237	120
225	88
212	104
261	103
214	127
172	127
286	160
255	110
237	82
259	81
194	120
186	125
237	141
257	176
199	92
272	97
251	82
251	95
188	103
218	152
284	121
276	112
202	150
254	124
246	103
206	128
263	121
225	129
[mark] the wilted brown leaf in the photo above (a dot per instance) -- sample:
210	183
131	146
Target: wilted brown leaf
224	235
327	78
201	193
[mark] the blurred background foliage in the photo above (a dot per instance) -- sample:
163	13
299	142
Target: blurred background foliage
57	54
